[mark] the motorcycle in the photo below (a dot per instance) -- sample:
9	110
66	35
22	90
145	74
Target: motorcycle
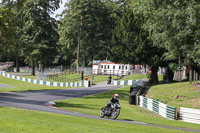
112	112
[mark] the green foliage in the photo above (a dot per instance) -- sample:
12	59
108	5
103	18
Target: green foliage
12	43
86	21
173	25
7	30
131	42
39	31
152	32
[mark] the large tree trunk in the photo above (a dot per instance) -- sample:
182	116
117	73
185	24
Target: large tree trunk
154	75
33	68
42	68
17	64
170	74
78	52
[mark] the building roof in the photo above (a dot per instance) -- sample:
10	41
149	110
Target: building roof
107	61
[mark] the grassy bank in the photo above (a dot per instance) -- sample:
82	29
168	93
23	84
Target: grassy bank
76	78
22	86
17	121
91	105
176	94
139	76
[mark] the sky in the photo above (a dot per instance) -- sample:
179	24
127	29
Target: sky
59	11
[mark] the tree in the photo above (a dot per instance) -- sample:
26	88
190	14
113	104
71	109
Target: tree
39	32
173	25
85	31
7	31
14	19
131	42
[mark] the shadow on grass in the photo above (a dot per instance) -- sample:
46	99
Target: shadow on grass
126	119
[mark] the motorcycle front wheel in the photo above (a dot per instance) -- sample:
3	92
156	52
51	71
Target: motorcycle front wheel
115	113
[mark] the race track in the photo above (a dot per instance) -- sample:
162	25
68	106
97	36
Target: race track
36	100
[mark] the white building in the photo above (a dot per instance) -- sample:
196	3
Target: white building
110	68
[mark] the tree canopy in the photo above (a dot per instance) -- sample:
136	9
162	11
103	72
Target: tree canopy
158	33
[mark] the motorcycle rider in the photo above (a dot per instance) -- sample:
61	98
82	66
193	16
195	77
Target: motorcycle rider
113	100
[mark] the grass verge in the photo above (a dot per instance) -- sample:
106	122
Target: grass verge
91	105
187	95
139	76
18	120
22	86
97	78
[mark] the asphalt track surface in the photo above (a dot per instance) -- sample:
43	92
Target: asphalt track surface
37	100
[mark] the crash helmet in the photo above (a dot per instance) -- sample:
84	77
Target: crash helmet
116	95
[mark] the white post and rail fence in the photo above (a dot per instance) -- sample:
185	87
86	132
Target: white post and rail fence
190	115
164	110
43	82
158	107
185	114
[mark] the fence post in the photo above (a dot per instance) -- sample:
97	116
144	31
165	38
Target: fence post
176	117
137	100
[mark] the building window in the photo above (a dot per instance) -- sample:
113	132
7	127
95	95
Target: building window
108	66
101	66
126	67
105	67
122	67
119	67
113	67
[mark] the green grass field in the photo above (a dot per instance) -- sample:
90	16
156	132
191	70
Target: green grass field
139	76
18	121
91	105
189	96
22	86
76	77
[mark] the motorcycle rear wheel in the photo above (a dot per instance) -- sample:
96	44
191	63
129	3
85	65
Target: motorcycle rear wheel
101	114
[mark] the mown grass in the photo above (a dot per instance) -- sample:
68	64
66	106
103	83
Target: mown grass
76	78
59	77
22	86
91	105
102	78
189	96
139	76
18	120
